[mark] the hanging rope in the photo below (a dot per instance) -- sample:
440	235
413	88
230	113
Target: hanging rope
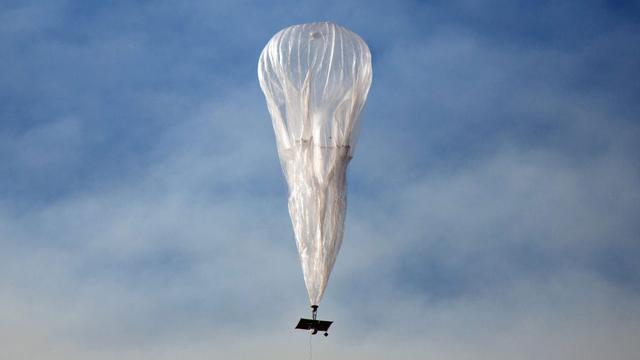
310	349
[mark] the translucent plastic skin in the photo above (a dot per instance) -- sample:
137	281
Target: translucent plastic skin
316	78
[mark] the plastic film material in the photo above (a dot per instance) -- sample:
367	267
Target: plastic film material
316	78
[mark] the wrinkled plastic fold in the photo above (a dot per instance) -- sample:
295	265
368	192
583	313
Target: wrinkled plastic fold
316	78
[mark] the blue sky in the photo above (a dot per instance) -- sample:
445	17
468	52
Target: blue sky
493	196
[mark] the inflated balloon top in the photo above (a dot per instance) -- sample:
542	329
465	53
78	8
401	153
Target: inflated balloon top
316	78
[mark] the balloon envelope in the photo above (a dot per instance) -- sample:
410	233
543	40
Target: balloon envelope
316	78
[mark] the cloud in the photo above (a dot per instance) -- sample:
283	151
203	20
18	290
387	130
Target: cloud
491	203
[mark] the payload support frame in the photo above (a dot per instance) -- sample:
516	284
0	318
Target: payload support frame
314	324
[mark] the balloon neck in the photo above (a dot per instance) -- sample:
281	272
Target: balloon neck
314	311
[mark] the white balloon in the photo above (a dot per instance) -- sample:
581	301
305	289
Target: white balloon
316	78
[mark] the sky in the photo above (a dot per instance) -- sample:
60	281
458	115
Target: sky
493	195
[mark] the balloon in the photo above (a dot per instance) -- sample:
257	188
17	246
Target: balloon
315	78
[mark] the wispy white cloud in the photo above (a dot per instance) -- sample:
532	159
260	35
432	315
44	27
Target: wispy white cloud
491	209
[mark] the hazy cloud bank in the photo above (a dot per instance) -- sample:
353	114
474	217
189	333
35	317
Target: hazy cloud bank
492	197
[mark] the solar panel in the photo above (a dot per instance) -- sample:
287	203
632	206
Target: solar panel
317	325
